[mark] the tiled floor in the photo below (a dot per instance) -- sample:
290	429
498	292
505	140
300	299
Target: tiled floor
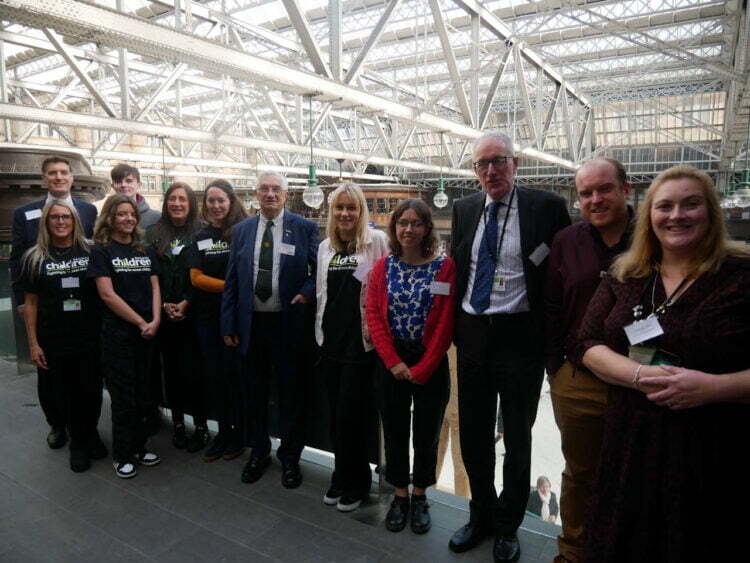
186	510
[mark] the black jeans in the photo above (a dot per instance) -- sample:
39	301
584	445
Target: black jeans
75	388
183	379
273	351
221	368
51	391
498	355
395	397
352	408
125	363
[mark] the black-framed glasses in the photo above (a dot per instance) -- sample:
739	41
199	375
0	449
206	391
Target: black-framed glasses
60	218
404	224
497	162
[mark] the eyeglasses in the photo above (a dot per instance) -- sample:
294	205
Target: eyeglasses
60	218
497	162
268	189
403	223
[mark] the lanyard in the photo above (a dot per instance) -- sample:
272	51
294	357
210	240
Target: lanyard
669	301
495	253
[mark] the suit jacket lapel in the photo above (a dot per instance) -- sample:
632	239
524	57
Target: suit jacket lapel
250	248
475	215
526	225
287	237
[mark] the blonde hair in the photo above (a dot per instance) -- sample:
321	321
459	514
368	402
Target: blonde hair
645	250
103	229
33	258
360	230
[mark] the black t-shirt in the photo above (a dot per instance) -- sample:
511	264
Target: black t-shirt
210	254
130	271
174	279
67	306
342	320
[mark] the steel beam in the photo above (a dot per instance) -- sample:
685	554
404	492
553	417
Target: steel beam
335	26
283	123
492	91
356	67
383	137
521	84
299	21
450	60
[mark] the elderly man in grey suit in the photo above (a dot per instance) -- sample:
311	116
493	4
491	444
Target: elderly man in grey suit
500	240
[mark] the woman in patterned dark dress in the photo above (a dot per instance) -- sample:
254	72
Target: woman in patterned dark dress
678	380
410	317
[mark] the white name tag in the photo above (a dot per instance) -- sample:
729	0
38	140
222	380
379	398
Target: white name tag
71	305
538	256
440	288
177	249
287	249
640	331
69	283
363	269
205	243
33	214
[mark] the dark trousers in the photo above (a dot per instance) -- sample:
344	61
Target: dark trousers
183	381
125	363
73	390
51	391
395	397
274	351
501	354
221	368
352	407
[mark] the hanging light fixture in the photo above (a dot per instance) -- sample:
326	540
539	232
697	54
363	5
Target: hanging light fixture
440	199
312	195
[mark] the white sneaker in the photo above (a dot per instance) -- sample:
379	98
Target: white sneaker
124	470
347	503
148	459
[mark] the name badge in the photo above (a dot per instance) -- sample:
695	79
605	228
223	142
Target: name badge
363	269
33	214
440	288
70	283
640	331
498	281
177	249
71	305
287	249
205	243
540	253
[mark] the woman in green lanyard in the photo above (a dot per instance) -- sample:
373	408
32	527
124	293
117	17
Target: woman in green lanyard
62	323
170	237
673	317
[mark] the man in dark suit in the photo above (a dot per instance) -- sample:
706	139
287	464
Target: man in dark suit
500	241
58	179
270	281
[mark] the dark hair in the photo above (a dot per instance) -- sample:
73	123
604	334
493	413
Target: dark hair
121	171
52	160
163	231
429	242
236	210
620	173
103	230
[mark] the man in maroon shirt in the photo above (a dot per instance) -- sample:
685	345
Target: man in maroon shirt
581	254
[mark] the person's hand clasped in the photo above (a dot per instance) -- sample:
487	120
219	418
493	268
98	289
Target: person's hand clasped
148	330
299	298
647	382
37	357
232	340
401	371
683	388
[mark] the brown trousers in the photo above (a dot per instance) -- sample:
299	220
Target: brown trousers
579	400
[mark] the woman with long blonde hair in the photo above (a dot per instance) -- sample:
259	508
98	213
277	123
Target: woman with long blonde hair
345	259
669	329
62	324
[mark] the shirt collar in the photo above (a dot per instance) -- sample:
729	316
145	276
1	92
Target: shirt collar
68	199
276	220
624	241
504	200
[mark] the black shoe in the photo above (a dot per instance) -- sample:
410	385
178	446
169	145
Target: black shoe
179	437
420	514
79	458
291	474
350	501
215	449
506	548
468	537
149	459
332	496
57	437
255	468
97	449
395	520
198	440
124	469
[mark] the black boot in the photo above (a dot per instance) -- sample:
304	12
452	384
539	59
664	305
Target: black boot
395	520
420	514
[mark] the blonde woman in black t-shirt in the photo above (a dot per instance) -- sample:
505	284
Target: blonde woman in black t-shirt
126	275
62	325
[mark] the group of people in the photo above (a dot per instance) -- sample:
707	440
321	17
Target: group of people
638	319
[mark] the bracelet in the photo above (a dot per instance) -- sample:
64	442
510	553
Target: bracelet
637	376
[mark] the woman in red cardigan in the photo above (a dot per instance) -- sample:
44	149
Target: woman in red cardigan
409	313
